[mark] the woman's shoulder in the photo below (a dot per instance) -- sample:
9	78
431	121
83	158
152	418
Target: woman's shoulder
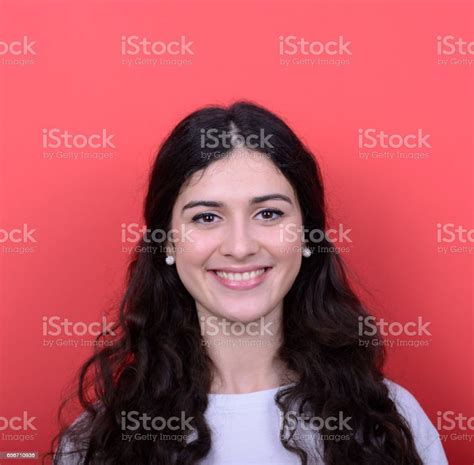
73	442
426	436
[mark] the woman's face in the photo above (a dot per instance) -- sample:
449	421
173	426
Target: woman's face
237	231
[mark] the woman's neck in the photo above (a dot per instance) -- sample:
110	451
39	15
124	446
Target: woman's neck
246	361
252	379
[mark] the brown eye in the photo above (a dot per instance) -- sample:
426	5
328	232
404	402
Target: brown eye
271	212
205	216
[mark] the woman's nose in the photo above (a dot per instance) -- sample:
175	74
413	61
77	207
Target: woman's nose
239	241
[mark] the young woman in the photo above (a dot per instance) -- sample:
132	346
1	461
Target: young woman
239	337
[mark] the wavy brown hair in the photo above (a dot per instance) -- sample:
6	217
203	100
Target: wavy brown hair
158	363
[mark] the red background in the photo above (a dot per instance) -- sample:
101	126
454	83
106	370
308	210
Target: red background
77	82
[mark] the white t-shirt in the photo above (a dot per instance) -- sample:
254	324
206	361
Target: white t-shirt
245	430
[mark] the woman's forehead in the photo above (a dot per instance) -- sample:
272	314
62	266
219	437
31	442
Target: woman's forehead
240	169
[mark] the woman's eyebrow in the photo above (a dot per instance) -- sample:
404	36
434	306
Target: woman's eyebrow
253	201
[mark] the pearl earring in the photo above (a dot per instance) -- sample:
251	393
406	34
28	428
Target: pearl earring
307	252
169	260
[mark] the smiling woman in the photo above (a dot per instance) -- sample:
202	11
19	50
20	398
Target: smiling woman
242	330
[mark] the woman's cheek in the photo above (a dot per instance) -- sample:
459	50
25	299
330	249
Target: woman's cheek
189	239
203	243
280	243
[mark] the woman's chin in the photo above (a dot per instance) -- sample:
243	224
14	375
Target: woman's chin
243	314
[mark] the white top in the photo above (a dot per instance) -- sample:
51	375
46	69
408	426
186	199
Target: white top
245	429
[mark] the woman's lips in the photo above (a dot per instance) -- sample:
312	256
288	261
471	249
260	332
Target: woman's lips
243	284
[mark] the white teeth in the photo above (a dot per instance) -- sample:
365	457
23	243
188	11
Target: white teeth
240	276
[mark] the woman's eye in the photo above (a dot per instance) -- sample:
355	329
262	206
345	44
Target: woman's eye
270	212
206	216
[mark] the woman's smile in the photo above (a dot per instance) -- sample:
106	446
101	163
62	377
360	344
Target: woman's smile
240	281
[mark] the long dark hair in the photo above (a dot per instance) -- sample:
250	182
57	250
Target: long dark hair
158	363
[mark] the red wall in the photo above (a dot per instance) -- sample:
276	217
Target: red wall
400	77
